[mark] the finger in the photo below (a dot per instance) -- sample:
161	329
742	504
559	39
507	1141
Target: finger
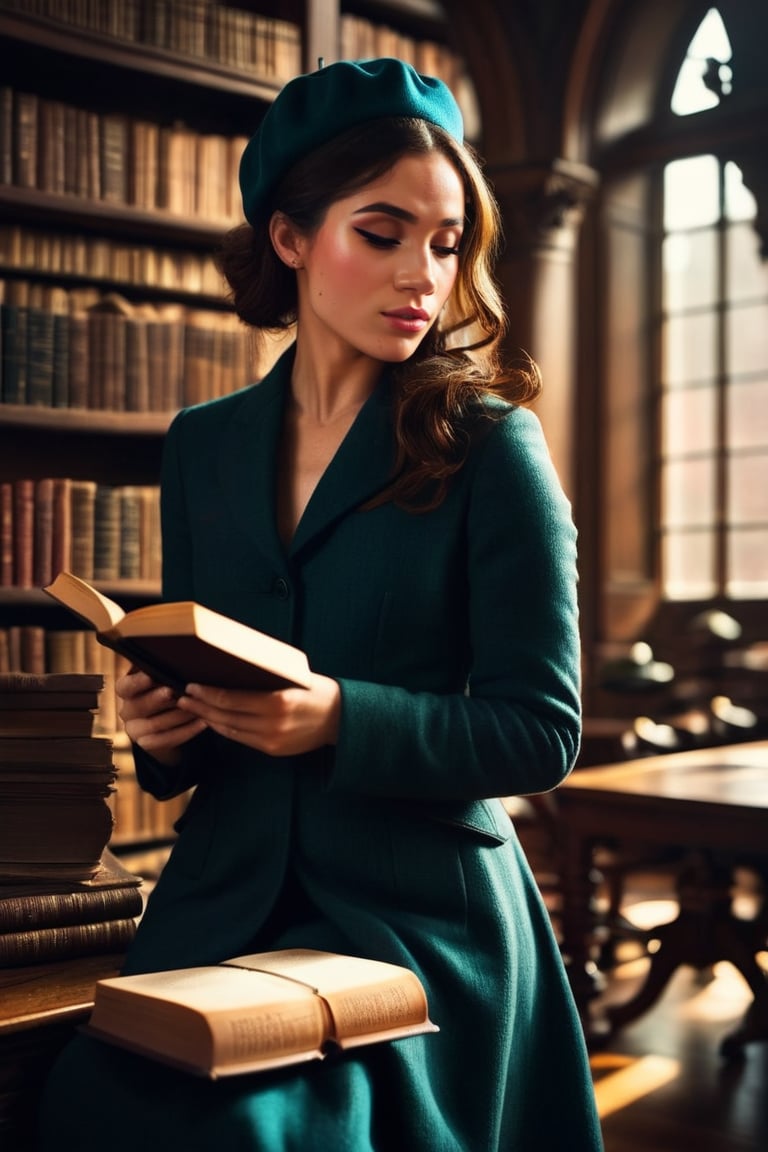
136	683
163	724
175	738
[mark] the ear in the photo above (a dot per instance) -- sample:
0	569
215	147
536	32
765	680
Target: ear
287	241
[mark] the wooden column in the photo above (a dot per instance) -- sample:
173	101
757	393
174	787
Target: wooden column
542	207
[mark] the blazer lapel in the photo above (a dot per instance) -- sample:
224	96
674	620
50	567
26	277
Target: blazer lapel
249	458
361	467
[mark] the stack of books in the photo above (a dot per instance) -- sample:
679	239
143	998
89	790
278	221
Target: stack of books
62	893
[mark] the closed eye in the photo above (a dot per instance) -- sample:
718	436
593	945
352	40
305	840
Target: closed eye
376	240
441	250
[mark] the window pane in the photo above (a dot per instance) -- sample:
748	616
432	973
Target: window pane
747	412
746	273
689	565
748	489
688	421
740	204
709	46
688	492
689	348
689	262
691	193
747	336
747	566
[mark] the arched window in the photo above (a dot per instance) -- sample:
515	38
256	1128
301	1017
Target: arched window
712	526
673	381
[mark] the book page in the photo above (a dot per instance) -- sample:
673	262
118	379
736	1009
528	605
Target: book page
85	601
368	999
214	1020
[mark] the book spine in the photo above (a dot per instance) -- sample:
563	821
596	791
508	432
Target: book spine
43	532
6	534
39	910
61	943
24	532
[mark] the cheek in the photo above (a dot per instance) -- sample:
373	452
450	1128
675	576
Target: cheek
447	283
341	272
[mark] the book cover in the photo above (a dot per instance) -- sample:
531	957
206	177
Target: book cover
184	642
260	1011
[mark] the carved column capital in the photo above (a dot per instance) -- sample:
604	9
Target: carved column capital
542	205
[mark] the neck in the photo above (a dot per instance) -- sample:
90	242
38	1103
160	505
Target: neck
329	389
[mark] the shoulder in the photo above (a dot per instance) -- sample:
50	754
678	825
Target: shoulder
222	411
508	434
510	467
217	411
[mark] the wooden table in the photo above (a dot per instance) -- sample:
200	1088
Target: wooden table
714	804
40	1007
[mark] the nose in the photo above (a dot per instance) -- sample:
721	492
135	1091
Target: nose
415	272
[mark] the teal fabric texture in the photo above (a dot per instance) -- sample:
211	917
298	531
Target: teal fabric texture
454	636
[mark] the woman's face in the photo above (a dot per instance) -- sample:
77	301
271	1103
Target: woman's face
377	272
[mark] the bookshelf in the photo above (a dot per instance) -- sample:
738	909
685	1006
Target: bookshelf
121	127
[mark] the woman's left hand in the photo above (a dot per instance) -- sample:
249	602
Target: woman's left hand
282	723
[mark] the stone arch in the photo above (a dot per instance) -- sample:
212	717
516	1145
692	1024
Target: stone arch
619	69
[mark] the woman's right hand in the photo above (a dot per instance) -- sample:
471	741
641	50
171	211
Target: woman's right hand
152	720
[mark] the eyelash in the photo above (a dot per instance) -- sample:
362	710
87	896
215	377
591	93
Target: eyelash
386	242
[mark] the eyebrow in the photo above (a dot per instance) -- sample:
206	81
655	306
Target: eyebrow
402	214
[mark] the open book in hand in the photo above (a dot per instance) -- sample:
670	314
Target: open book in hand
183	643
260	1011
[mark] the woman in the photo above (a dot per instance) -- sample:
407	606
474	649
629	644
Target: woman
378	501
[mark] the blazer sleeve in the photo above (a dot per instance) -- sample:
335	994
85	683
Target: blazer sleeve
516	730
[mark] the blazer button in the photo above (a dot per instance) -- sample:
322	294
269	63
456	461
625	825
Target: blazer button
281	588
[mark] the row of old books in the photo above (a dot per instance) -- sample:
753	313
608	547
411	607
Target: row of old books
37	651
363	39
114	158
111	355
116	260
223	34
98	531
62	893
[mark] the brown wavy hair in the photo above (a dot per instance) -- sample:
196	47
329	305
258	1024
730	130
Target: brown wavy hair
441	391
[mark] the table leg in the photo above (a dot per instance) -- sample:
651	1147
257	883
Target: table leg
579	921
703	933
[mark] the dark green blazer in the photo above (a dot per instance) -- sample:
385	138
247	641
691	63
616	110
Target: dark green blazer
454	637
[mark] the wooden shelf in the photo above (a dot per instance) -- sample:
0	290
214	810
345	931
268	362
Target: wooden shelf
30	205
126	591
76	421
133	291
82	44
117	448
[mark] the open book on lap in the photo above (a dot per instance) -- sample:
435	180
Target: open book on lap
261	1011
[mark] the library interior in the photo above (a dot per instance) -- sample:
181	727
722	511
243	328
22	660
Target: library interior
626	142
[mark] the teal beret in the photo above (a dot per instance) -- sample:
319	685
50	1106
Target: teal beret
311	109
